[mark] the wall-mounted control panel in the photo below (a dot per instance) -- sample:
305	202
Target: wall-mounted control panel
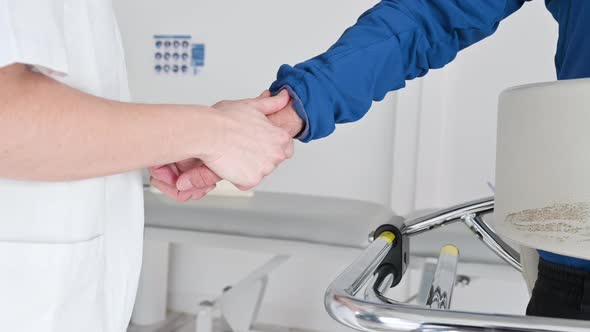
177	55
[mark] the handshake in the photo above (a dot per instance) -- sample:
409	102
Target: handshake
247	141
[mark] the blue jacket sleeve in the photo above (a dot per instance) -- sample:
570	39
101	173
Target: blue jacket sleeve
395	41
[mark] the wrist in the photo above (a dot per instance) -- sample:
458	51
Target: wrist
299	121
203	128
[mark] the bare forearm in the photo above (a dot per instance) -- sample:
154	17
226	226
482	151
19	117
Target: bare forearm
51	132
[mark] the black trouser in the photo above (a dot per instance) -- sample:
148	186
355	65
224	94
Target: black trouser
560	292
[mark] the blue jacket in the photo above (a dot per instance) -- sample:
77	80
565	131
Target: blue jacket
398	40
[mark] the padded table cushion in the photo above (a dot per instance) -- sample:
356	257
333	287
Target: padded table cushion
320	220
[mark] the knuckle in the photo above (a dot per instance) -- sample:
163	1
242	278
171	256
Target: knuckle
280	156
285	137
246	186
254	181
267	169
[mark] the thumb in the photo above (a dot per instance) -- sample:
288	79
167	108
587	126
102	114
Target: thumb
270	105
264	94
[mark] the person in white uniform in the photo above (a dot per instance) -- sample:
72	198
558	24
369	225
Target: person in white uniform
71	208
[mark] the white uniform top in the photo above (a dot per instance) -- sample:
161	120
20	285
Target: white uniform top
70	252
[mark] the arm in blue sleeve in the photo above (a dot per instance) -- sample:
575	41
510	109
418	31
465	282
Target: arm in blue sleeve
395	41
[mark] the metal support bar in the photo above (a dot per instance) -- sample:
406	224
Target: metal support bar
239	304
471	214
441	289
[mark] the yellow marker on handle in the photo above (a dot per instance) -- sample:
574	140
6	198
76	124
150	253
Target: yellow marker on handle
450	249
387	236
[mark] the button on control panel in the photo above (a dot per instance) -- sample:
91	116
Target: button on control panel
177	55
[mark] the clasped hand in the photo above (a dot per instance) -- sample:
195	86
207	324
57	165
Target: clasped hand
255	137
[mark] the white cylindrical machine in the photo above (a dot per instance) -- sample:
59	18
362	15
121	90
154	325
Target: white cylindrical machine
543	167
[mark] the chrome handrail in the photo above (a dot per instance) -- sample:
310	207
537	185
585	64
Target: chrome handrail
378	313
471	214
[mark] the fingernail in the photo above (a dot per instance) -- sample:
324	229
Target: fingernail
283	92
183	184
